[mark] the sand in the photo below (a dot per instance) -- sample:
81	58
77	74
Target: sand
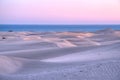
60	55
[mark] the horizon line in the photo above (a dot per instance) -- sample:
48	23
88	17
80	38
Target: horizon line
61	24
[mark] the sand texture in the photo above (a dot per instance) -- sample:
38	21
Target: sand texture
60	55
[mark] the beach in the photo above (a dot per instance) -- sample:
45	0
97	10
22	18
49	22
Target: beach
67	55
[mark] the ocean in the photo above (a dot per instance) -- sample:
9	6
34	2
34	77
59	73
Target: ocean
45	28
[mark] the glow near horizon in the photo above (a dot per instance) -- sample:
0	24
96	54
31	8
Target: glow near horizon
59	11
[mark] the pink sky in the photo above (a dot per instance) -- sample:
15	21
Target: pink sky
59	11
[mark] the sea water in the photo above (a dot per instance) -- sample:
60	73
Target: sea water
57	27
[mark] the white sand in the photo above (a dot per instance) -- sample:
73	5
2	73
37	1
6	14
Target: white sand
9	65
60	55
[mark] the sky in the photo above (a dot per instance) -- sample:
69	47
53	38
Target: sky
59	11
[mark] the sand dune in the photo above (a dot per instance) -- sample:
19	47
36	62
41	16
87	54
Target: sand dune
60	55
9	65
111	51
